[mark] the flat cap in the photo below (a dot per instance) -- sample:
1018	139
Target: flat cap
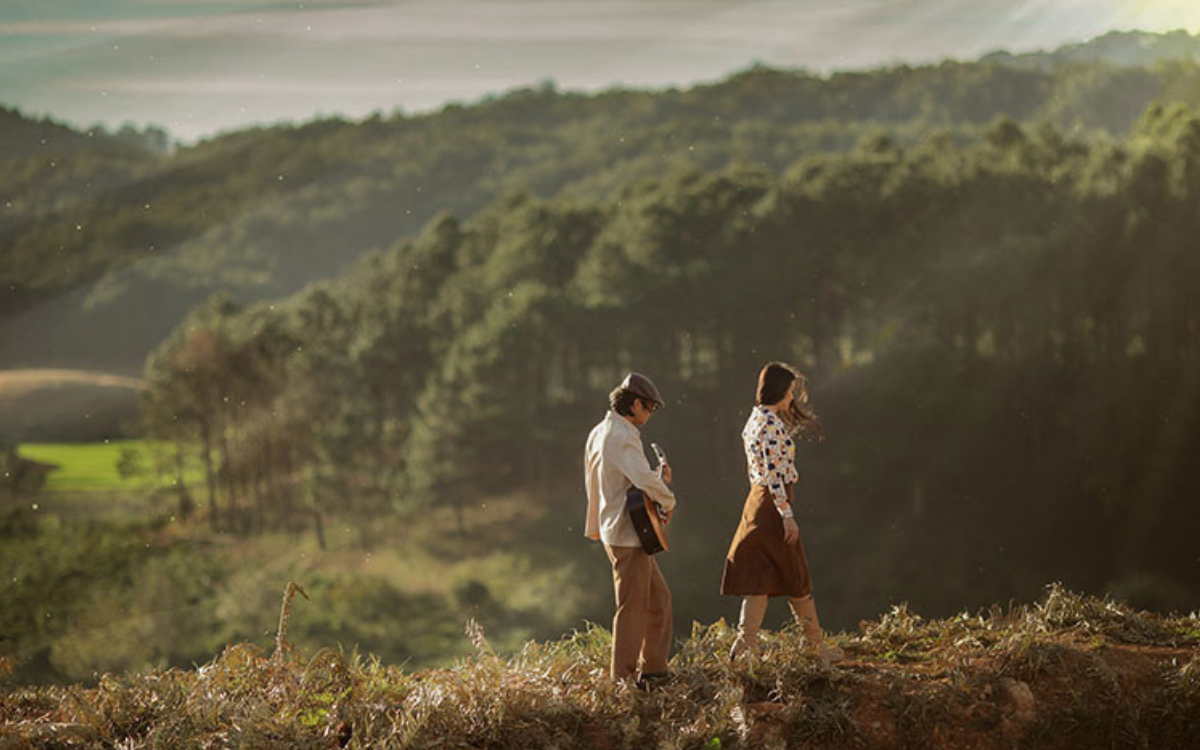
641	385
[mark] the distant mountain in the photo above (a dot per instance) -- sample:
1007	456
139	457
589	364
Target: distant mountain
22	136
1123	48
105	245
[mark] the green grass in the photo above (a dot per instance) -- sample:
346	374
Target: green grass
98	582
92	467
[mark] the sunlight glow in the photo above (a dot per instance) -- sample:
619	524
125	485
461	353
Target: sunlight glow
1161	14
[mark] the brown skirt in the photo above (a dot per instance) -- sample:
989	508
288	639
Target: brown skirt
759	562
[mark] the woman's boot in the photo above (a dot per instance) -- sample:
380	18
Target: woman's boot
754	608
805	612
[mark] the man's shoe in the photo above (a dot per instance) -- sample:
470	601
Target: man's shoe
650	680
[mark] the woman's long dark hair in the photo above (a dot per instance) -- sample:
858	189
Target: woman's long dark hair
773	383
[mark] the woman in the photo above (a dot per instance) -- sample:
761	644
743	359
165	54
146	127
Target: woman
766	557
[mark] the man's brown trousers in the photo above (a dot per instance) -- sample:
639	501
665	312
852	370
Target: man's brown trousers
642	624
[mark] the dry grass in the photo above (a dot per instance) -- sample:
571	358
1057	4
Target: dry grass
1069	671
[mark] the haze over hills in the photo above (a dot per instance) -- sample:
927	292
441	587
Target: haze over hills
22	136
1124	48
105	248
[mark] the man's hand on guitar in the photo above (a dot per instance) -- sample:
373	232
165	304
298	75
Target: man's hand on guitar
664	471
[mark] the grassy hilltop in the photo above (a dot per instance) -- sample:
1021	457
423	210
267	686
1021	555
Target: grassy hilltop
1067	672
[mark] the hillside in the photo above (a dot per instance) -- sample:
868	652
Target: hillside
69	405
22	135
996	352
1122	48
1066	673
107	254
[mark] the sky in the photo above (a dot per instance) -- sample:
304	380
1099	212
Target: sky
198	67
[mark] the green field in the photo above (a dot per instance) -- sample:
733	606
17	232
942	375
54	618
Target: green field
92	467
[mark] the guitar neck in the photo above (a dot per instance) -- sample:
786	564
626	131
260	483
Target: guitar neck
659	453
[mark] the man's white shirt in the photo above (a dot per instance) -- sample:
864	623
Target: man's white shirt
614	460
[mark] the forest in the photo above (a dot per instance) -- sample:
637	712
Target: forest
1002	338
99	236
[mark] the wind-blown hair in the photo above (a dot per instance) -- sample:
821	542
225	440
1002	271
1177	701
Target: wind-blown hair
799	418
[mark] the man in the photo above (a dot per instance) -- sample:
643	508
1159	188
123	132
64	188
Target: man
614	460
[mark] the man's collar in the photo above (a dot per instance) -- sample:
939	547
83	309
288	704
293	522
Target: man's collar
622	420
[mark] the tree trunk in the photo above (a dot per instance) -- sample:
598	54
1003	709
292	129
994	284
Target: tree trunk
227	474
209	473
364	533
186	506
460	517
319	528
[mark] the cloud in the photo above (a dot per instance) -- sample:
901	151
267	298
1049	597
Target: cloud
412	21
468	20
217	63
125	27
244	86
751	21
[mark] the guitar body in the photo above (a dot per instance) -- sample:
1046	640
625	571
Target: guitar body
646	521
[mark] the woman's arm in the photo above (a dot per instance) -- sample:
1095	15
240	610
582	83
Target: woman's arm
769	448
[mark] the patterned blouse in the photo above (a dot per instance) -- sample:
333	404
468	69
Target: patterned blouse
770	456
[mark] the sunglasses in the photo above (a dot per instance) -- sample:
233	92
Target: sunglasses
650	406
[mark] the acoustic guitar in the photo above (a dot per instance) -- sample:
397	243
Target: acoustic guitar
649	520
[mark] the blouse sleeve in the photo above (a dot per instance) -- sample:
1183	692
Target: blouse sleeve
770	449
